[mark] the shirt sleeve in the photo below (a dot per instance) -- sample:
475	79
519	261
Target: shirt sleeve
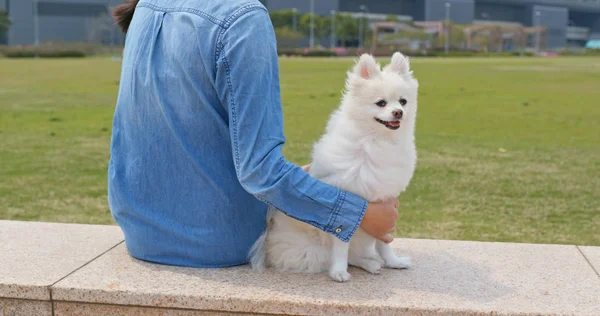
247	81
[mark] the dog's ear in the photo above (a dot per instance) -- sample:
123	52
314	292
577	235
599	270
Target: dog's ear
366	67
399	65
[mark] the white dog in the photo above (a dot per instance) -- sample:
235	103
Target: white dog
368	149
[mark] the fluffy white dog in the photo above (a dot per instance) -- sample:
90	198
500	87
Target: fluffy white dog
368	149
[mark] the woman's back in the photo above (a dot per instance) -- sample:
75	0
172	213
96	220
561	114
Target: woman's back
173	185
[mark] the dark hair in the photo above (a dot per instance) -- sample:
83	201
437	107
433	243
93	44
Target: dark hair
123	14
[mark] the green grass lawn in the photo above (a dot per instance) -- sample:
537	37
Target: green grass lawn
509	149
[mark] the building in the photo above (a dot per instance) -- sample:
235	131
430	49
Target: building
569	23
61	20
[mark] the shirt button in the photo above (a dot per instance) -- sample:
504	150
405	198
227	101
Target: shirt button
338	230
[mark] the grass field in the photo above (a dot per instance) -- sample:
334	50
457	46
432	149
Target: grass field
509	149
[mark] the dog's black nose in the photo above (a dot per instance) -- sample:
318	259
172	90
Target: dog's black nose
398	114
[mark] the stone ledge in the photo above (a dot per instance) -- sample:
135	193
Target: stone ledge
448	278
13	306
77	309
592	254
36	255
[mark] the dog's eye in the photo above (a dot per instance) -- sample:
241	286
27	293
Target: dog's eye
381	103
403	101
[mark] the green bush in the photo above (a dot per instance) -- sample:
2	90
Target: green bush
525	54
504	54
90	49
305	52
289	52
320	53
59	49
457	54
422	54
42	52
583	52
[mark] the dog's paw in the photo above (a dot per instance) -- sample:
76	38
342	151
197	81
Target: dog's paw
340	275
398	263
372	266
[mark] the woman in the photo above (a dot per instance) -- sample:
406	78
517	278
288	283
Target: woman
197	138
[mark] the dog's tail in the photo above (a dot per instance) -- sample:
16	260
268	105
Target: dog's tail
258	252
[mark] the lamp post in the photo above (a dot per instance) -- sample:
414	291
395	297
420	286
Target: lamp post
294	23
538	15
312	25
363	9
332	28
36	24
447	41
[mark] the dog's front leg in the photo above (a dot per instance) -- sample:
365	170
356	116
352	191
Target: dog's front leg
389	257
338	270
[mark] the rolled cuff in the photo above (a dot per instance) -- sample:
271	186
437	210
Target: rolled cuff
347	216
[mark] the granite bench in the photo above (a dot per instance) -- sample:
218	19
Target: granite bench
70	269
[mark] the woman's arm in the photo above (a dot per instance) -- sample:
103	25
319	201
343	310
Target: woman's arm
247	80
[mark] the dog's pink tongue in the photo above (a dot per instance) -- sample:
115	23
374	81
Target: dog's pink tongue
395	123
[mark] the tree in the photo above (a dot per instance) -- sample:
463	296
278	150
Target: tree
367	36
4	25
287	38
392	18
411	35
346	28
284	18
457	36
482	42
322	26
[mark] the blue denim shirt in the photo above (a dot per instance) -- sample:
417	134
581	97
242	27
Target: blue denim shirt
196	151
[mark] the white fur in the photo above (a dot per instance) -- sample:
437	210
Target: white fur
359	155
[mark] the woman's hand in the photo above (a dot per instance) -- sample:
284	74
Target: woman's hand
380	219
306	168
